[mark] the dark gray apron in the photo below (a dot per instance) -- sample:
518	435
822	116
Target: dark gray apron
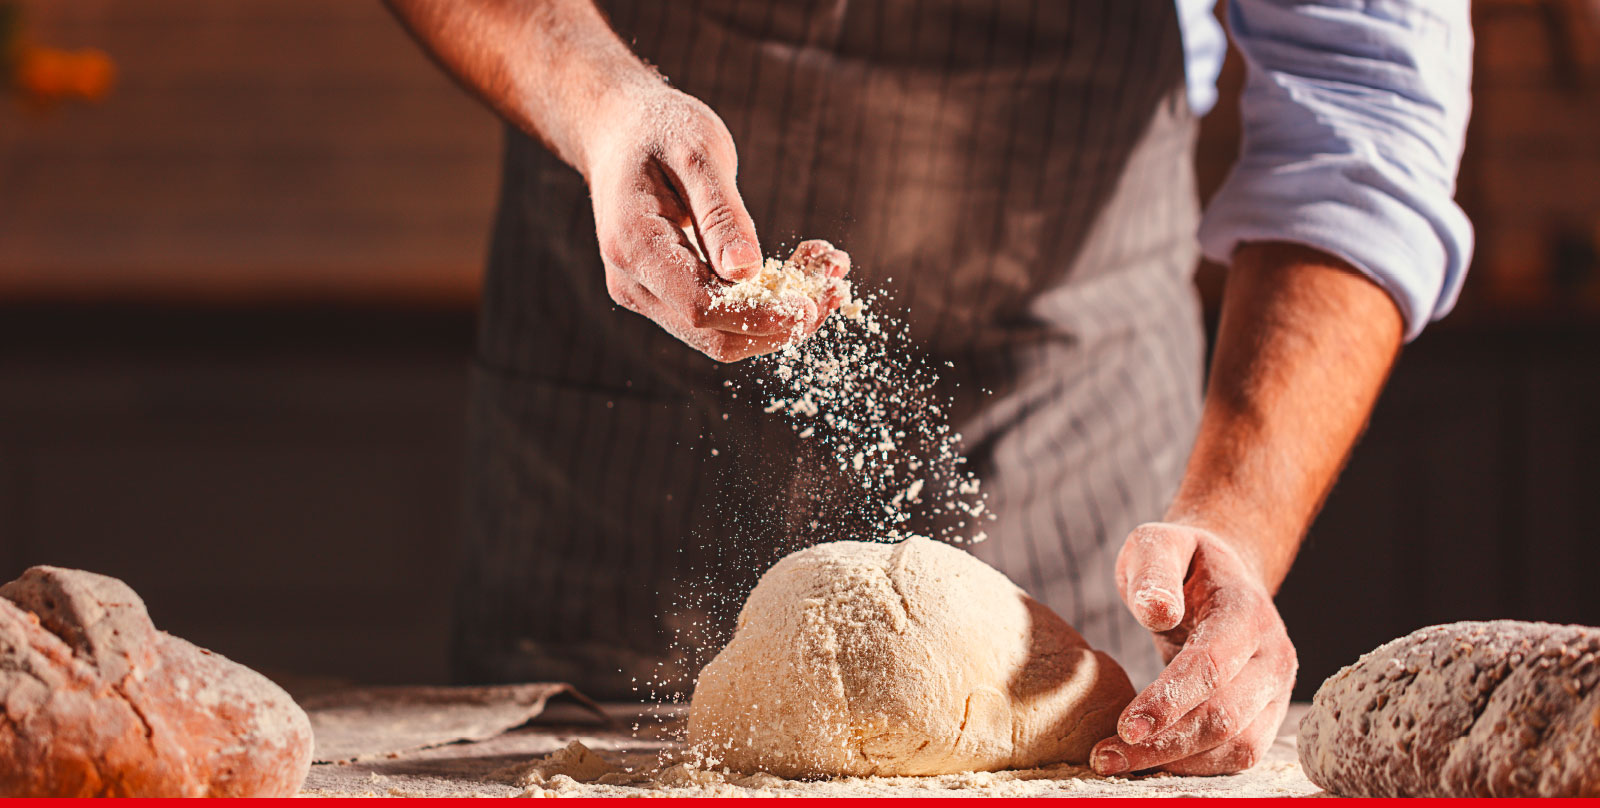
1023	173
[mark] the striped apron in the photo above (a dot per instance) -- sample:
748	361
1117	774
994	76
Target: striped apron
1018	175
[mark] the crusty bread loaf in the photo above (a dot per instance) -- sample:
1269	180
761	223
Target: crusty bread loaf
96	702
1497	709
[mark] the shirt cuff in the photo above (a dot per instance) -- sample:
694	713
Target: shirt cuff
1354	208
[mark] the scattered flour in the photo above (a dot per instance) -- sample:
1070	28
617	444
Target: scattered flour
642	756
573	763
855	388
875	456
1273	778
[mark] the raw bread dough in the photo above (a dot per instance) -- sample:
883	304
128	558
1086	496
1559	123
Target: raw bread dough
859	658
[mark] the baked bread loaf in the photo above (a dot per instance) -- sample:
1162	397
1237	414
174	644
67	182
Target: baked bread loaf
1497	709
96	702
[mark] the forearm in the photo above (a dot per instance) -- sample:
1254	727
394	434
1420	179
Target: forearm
1303	348
547	66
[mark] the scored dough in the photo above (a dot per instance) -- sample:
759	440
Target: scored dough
860	658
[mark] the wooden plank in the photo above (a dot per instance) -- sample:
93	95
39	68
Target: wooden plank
270	147
1539	184
1536	118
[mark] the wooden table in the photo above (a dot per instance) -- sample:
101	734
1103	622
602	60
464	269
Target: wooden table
646	738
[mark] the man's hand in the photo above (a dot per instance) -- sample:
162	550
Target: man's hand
1217	706
673	229
660	164
1302	350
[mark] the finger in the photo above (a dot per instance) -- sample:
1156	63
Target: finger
722	346
830	302
1241	752
706	176
1220	645
1235	707
1150	572
792	315
658	256
838	263
817	256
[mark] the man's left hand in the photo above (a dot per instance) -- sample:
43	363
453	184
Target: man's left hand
1217	706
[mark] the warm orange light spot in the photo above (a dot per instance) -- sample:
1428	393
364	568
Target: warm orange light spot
47	75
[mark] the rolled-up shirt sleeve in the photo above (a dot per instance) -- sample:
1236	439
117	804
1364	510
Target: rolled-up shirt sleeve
1354	113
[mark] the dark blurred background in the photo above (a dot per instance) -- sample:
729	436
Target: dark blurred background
240	244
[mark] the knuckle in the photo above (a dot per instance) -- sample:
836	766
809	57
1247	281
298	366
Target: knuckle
1220	723
1147	537
1245	754
616	253
1289	664
1209	670
720	220
1145	531
707	127
620	292
723	348
696	159
698	316
618	295
702	145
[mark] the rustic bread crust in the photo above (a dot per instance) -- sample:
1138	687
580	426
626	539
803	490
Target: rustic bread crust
95	701
1478	709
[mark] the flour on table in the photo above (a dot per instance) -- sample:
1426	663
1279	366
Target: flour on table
644	756
574	762
1271	778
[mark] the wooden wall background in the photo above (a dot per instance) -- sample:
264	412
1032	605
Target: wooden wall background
252	150
1531	174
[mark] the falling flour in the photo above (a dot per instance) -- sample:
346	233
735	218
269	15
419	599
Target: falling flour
853	388
873	458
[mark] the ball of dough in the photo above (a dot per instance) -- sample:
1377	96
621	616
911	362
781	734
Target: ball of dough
859	658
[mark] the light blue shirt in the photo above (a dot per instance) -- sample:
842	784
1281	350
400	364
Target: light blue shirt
1354	113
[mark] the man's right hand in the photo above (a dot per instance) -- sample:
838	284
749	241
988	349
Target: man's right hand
661	169
657	161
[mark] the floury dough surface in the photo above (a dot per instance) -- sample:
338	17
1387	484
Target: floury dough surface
862	658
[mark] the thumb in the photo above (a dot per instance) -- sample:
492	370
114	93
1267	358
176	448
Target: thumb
1150	573
726	231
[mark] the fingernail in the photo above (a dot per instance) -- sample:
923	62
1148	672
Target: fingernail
740	256
1110	761
1137	728
1159	603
